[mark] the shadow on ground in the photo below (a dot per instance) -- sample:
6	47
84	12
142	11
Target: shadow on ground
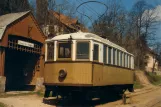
76	102
22	88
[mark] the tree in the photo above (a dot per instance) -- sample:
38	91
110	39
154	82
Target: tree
11	6
44	6
143	20
113	22
42	11
51	4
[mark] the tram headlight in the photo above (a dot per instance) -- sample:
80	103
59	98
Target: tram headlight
62	73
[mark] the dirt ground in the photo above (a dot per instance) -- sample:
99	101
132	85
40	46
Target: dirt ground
149	96
140	75
24	101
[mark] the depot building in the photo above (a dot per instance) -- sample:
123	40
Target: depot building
21	51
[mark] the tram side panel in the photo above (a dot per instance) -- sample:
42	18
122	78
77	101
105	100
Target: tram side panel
78	74
117	76
97	75
104	75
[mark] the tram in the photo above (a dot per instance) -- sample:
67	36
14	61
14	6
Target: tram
86	63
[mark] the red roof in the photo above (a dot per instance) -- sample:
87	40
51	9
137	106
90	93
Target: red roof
64	19
70	22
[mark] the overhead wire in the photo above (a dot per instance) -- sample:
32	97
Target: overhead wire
88	9
91	8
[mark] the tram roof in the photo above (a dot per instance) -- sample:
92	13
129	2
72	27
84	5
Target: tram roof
87	36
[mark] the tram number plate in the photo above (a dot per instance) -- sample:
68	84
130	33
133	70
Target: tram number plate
24	43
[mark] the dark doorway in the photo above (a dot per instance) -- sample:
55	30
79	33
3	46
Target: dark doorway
19	69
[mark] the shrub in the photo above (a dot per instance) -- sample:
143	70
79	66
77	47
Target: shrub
153	78
2	105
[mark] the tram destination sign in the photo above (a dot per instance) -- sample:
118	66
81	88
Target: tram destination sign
24	43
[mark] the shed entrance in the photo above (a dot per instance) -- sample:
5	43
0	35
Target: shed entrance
21	63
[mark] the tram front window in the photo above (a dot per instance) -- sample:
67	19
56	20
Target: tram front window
64	50
50	51
82	50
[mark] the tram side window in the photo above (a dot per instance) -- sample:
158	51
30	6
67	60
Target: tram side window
96	52
129	61
82	50
105	54
64	50
114	55
118	60
124	60
50	51
109	55
127	56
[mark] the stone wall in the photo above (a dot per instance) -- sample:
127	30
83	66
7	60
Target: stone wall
39	84
2	84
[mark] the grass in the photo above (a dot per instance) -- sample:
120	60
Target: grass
137	85
4	95
2	105
40	93
153	78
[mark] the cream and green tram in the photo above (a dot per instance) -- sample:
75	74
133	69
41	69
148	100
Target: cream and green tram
85	62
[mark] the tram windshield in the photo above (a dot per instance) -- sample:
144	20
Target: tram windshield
82	50
50	52
64	50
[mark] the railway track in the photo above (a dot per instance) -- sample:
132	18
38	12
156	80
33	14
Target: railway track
157	104
144	91
154	103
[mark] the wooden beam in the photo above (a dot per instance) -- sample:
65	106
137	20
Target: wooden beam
2	61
